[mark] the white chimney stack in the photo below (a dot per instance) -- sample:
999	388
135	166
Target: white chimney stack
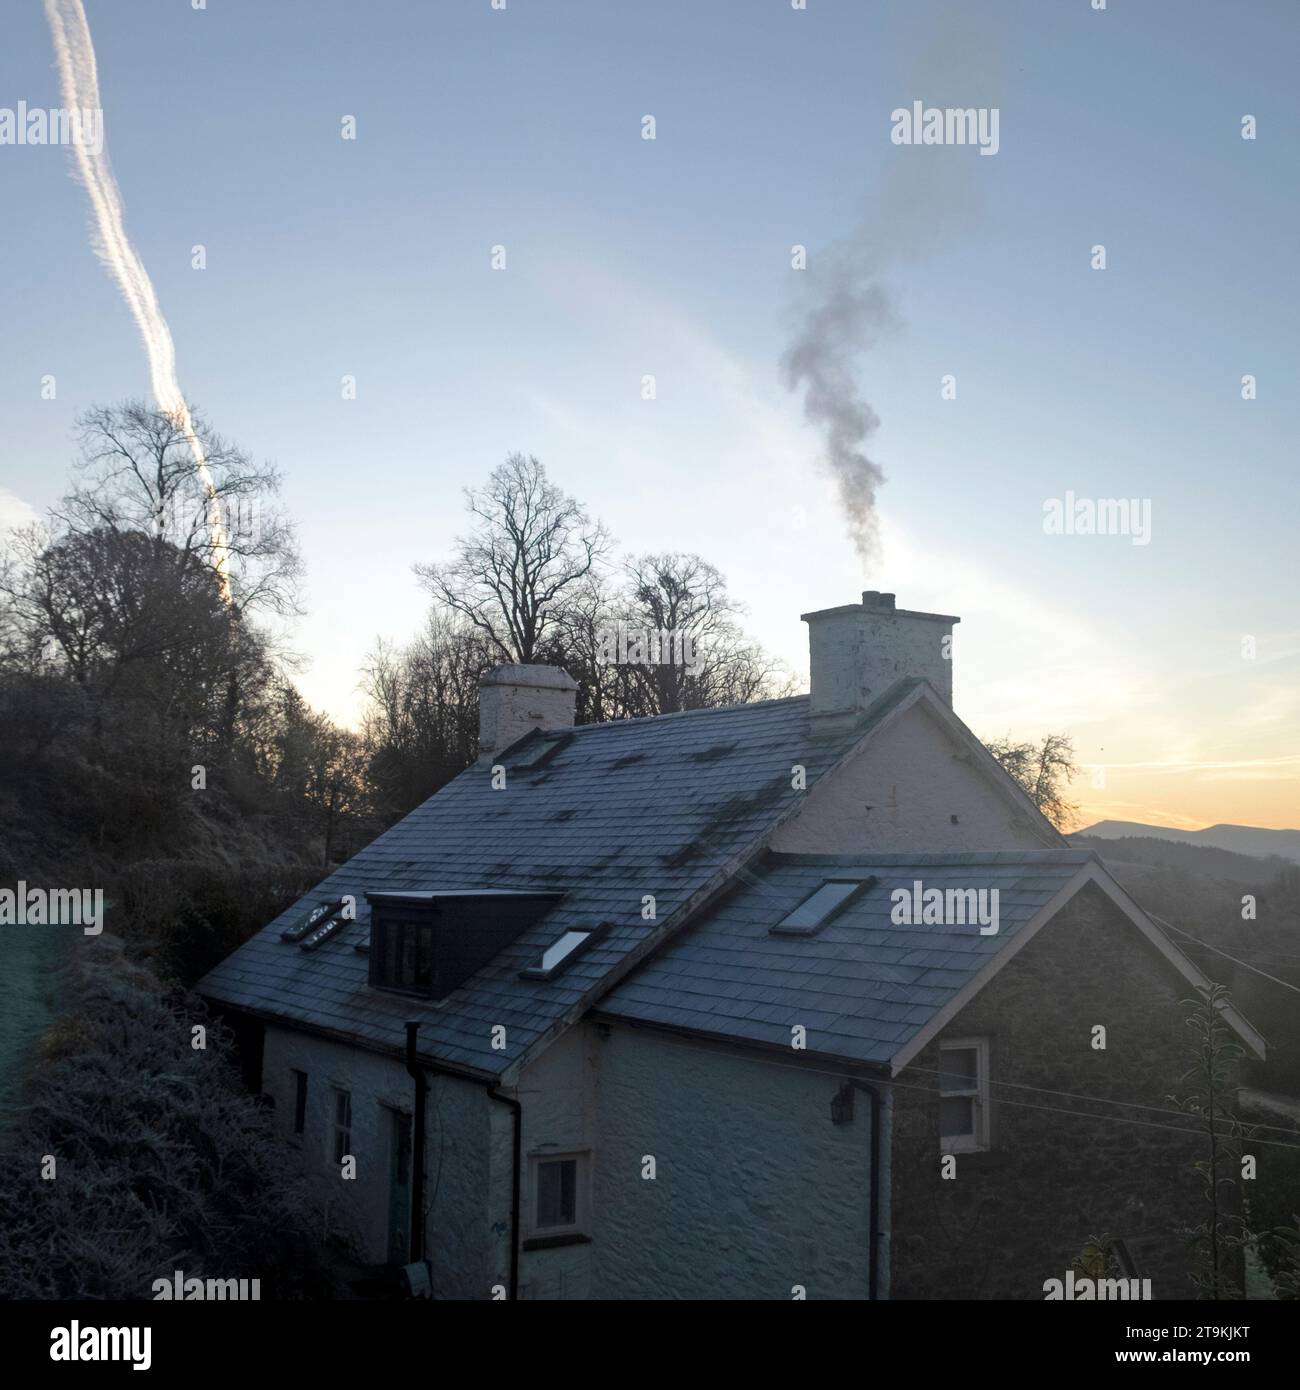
857	652
512	700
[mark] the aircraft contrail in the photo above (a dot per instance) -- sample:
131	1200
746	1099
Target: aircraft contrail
79	80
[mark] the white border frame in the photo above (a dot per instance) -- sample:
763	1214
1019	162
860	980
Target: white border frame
581	1193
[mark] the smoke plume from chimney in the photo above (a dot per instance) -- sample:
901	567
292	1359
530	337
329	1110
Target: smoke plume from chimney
918	198
848	318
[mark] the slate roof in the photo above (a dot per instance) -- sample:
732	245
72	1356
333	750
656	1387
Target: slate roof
862	986
623	809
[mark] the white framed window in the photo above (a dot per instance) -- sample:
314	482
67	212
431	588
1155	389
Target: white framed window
342	1128
964	1095
559	1194
561	952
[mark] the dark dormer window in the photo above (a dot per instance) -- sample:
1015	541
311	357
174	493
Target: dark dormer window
820	906
562	952
429	944
401	950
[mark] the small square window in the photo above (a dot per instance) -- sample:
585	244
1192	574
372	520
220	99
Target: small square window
964	1095
342	1124
559	1194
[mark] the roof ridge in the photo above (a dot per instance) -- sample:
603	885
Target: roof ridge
934	857
682	714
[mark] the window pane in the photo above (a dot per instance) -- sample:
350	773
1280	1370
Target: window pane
557	1192
392	945
816	909
569	942
958	1069
342	1124
535	752
424	958
406	955
956	1116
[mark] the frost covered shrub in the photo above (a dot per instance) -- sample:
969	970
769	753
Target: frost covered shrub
162	1160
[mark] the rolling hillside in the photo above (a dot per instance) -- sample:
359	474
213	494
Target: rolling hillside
1240	839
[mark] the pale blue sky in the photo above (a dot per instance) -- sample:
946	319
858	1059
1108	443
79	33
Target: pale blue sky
672	257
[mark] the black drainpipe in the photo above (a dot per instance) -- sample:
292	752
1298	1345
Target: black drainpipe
517	1113
850	1086
416	1070
417	1146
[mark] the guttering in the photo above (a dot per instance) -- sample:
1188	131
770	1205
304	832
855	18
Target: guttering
342	1036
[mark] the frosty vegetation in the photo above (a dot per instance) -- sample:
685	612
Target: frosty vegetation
162	1159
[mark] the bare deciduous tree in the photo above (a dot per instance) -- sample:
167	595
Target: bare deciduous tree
686	597
421	722
138	474
512	575
1043	771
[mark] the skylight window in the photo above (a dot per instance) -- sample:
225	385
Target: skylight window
824	903
323	930
562	952
539	751
317	917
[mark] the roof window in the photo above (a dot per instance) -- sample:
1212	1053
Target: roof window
562	952
317	917
821	905
538	751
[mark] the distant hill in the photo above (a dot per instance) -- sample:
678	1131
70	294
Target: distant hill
1240	839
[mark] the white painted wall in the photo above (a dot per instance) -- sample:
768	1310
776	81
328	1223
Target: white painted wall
745	1151
460	1243
745	1154
924	795
559	1092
